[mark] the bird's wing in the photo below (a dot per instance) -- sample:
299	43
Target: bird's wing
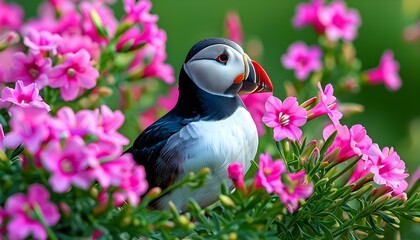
147	148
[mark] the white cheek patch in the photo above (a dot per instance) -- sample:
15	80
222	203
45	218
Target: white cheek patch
215	77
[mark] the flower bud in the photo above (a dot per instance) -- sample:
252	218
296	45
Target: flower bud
104	91
226	201
349	109
97	21
154	192
8	39
308	103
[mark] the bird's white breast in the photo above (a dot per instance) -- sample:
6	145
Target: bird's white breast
215	145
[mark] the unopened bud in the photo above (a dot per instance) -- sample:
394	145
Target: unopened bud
332	156
104	91
3	156
226	201
8	39
416	219
204	171
349	109
362	190
233	236
126	221
308	103
97	21
154	192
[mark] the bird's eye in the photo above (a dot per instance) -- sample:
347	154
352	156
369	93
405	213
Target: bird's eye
223	58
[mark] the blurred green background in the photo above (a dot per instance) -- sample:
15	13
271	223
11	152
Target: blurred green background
391	118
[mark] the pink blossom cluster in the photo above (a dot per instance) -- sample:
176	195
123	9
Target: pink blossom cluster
20	212
273	177
335	20
302	59
66	43
78	149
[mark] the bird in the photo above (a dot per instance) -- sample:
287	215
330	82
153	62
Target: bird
209	127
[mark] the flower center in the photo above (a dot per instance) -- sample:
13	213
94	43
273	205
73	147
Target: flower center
33	73
67	165
302	60
71	72
24	98
267	171
284	119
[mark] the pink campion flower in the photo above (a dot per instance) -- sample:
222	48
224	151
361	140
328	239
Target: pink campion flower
308	14
386	73
72	43
285	117
352	143
302	59
106	164
29	69
133	182
361	171
327	105
14	17
74	73
29	126
23	96
139	11
1	140
340	22
67	123
159	69
21	207
269	173
108	124
295	188
255	105
40	42
236	174
6	63
234	28
106	16
67	165
135	38
388	168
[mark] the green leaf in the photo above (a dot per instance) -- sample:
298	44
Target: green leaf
16	152
284	230
328	143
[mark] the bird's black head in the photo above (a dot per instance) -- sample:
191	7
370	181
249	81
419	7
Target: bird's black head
220	67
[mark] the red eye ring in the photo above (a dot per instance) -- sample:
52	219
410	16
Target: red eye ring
223	58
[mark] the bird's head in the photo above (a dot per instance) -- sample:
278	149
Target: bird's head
220	67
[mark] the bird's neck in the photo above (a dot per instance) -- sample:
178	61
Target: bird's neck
194	102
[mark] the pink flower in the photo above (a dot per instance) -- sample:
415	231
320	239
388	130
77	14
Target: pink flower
29	69
108	124
135	38
1	141
139	11
106	16
133	181
269	173
21	208
302	59
29	127
388	168
74	73
42	42
67	123
352	143
236	174
327	105
13	18
255	105
340	22
386	73
295	188
361	170
158	68
285	117
24	96
67	165
234	27
6	63
308	14
73	43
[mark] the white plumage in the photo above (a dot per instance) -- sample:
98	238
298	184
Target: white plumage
211	144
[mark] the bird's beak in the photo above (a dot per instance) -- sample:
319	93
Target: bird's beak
256	79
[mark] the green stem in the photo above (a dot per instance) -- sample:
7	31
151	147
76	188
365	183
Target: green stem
40	218
345	169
